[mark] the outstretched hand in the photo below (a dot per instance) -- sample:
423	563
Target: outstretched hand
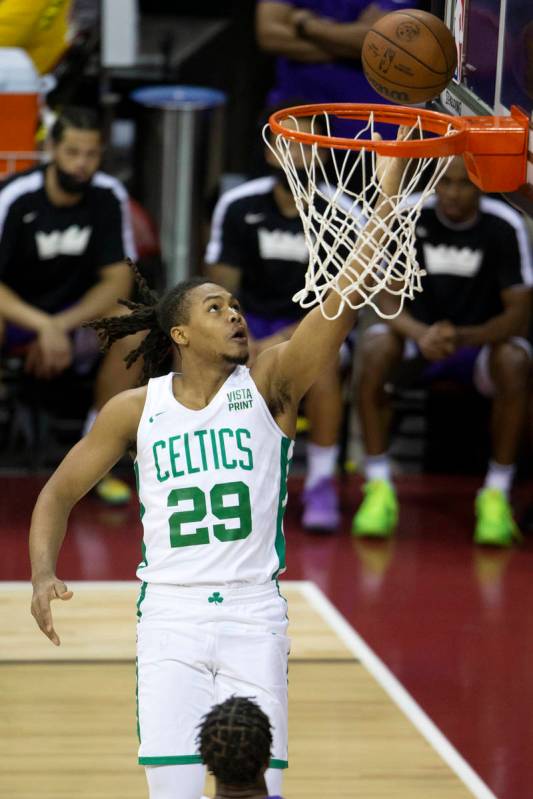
44	591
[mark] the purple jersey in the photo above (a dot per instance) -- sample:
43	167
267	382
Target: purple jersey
341	80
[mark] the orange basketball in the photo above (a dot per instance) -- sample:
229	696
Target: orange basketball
409	56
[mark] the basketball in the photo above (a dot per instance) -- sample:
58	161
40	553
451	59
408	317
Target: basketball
409	56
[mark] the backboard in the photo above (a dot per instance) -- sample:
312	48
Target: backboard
494	64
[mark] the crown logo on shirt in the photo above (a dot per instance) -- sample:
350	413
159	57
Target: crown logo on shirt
283	244
444	260
72	241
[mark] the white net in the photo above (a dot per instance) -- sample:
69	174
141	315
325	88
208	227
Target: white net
336	192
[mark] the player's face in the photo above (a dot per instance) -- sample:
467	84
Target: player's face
458	198
216	327
78	154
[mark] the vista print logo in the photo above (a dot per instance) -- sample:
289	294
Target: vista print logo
240	399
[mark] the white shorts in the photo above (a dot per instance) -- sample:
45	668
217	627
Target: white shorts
195	648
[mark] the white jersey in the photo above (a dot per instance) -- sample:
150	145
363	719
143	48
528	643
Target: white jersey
212	486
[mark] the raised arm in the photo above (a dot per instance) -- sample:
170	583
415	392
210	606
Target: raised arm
286	372
91	459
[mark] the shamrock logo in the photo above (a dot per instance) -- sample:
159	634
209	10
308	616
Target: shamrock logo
216	598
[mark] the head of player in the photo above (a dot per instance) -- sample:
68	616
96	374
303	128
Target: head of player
205	322
235	740
196	324
76	145
457	196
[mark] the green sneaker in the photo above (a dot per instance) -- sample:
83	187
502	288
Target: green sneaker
378	513
495	524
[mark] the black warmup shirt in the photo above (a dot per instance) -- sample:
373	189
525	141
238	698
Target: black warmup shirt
250	233
49	255
468	267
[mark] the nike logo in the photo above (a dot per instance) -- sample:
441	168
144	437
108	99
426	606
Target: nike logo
151	419
252	219
29	217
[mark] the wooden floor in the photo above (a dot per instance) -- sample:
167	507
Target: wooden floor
67	715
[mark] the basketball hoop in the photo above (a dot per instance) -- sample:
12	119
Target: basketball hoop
336	188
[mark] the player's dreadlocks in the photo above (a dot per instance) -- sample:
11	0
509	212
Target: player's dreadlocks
157	315
235	740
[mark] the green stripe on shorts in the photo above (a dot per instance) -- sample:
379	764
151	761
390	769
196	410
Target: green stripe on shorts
174	760
186	760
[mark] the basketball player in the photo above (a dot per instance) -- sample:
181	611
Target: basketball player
257	251
235	741
213	445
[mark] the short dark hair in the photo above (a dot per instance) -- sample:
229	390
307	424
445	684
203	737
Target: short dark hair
77	117
235	740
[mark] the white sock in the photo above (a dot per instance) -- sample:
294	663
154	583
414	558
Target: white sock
321	463
499	476
377	467
89	421
274	781
171	782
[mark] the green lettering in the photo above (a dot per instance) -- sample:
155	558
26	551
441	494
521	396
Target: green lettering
174	455
196	514
201	434
190	468
221	433
239	511
215	451
160	477
246	450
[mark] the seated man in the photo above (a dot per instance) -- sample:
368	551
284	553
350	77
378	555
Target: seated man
234	741
469	323
64	233
317	45
257	251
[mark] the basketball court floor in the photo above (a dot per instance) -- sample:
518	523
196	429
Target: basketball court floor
410	671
